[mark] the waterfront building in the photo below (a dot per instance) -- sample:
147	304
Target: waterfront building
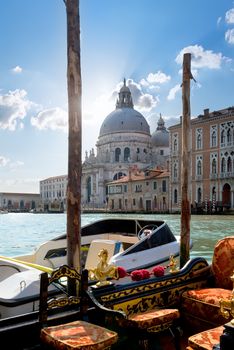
53	192
124	141
19	202
140	191
212	162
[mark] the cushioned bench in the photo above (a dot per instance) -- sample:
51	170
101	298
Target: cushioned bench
201	307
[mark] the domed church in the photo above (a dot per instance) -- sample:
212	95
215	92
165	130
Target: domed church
124	143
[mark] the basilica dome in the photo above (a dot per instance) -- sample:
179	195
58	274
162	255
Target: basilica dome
160	137
124	118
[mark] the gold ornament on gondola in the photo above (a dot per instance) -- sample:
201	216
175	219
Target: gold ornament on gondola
227	305
173	264
103	271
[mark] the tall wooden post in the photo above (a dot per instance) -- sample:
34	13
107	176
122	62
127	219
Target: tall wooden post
74	135
186	162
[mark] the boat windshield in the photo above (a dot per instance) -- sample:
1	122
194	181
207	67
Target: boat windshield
161	235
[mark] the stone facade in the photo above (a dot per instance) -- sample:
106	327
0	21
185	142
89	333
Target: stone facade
140	191
124	141
212	162
53	191
19	202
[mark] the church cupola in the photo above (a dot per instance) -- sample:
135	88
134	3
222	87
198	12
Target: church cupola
125	97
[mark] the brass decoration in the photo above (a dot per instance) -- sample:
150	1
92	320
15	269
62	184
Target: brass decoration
64	271
173	264
159	327
227	305
62	302
155	285
103	270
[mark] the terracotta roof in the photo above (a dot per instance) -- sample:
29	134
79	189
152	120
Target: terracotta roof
141	176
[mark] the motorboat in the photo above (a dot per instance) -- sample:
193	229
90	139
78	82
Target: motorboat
131	244
19	287
126	240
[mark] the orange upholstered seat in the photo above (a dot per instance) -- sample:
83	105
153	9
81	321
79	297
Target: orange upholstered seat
158	318
202	306
78	335
205	340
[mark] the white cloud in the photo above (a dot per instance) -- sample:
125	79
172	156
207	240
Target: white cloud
3	161
13	109
229	17
17	69
154	78
201	58
142	100
146	102
158	78
53	119
173	92
229	36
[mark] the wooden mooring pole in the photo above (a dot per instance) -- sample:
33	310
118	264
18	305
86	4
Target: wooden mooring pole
74	135
185	163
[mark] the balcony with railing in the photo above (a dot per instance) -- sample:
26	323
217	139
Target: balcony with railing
227	175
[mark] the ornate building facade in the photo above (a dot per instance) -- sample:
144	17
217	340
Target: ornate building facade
19	202
124	141
125	148
140	191
212	162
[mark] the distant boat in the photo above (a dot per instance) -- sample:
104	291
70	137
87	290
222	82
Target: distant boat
2	211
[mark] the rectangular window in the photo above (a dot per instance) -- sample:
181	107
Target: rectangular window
155	185
164	186
138	188
134	201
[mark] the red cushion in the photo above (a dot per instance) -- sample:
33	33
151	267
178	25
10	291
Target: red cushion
206	340
78	335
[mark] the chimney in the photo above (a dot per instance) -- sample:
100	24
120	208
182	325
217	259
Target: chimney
206	112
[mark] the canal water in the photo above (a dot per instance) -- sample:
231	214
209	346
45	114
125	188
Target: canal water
21	233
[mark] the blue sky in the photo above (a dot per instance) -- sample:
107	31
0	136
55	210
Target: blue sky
143	41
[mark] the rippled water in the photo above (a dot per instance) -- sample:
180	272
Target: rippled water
22	232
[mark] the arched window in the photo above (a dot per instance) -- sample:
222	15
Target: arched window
229	138
213	194
214	166
223	165
199	195
175	171
229	165
213	139
199	168
126	154
175	196
117	154
88	187
223	136
199	143
118	175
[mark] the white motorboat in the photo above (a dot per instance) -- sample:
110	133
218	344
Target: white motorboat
125	240
131	244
